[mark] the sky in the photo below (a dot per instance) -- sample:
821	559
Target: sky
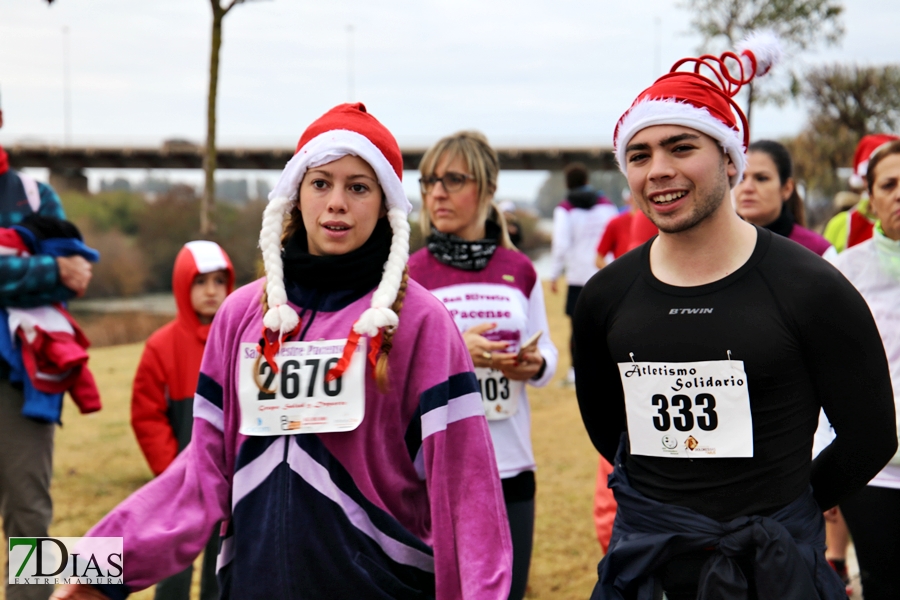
525	72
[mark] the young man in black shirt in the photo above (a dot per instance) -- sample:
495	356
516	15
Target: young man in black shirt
712	348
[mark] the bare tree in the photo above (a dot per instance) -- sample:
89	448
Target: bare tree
845	103
865	99
799	23
209	157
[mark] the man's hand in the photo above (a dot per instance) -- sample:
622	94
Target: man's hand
74	273
600	261
553	287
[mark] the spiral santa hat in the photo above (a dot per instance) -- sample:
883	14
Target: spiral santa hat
704	102
344	130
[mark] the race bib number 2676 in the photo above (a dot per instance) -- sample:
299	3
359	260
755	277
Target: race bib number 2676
688	410
298	398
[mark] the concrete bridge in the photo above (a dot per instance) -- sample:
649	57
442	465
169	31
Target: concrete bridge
67	163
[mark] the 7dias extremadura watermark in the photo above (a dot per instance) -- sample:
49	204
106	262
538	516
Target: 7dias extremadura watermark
59	560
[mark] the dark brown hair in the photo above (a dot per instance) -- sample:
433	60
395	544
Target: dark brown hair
576	175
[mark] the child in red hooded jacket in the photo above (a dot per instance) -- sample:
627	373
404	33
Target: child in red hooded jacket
162	398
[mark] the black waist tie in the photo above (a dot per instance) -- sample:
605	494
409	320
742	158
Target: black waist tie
787	549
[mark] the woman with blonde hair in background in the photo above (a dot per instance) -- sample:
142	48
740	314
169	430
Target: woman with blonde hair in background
495	297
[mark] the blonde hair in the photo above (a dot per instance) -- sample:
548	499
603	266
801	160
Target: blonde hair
482	163
381	365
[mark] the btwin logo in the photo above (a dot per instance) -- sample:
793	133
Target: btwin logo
690	311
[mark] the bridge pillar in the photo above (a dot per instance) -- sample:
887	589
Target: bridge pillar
69	180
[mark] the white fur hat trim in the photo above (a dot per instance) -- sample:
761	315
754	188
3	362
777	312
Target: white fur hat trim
669	111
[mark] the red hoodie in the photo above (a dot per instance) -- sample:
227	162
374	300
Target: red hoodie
162	397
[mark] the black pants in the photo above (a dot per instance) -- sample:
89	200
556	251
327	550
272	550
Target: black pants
571	298
873	517
518	494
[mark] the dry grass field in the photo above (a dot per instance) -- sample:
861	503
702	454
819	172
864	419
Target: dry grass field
98	463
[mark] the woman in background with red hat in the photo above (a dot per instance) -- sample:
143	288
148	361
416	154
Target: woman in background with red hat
391	489
851	227
873	267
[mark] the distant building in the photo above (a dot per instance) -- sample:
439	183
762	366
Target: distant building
232	190
119	184
262	189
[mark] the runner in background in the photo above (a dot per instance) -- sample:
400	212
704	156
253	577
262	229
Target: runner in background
854	226
392	490
616	237
767	197
704	358
873	266
495	298
578	223
162	396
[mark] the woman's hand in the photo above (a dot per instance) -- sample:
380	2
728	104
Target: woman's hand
481	348
77	591
519	368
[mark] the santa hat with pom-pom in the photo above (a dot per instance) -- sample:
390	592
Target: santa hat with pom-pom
865	150
347	129
703	101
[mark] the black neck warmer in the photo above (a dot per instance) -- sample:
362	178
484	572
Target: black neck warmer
584	197
463	254
784	224
357	270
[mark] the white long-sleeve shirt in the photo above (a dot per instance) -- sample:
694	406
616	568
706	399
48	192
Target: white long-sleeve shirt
576	233
506	292
873	267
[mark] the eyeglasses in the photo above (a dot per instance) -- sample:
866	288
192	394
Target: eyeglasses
452	182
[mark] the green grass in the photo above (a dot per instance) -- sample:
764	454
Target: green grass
98	463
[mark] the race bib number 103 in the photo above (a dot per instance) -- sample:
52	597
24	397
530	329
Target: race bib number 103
688	410
499	395
299	399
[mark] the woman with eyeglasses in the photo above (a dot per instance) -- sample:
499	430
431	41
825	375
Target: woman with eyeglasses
495	297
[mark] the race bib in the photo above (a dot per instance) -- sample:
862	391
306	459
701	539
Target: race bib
688	410
499	394
299	399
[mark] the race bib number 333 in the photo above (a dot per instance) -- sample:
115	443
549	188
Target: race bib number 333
299	399
688	410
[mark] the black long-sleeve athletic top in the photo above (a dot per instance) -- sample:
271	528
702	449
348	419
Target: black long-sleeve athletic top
806	338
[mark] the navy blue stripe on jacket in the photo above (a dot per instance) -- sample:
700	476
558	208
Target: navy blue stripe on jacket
294	503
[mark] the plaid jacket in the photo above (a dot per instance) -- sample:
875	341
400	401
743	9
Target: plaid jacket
28	281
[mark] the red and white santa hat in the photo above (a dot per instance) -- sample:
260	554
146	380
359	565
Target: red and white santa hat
703	101
865	150
344	130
